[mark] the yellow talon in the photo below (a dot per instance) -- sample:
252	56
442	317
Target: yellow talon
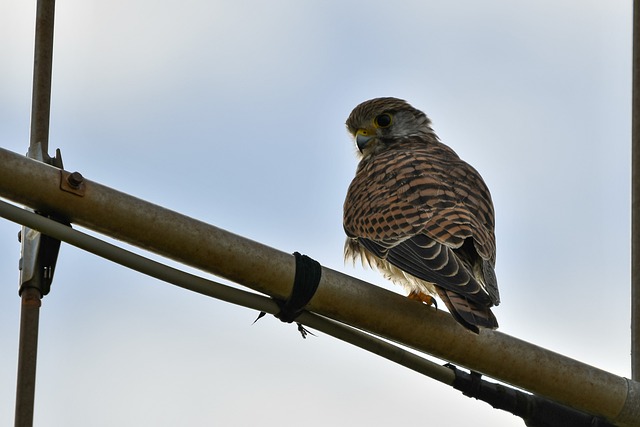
422	297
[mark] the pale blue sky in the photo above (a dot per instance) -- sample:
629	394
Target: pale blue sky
233	113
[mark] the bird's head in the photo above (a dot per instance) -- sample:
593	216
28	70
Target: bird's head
378	122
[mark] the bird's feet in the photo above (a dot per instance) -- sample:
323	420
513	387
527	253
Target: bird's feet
422	297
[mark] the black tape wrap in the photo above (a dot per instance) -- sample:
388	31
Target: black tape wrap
305	284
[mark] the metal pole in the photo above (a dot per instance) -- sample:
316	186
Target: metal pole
32	279
339	296
635	198
27	356
42	66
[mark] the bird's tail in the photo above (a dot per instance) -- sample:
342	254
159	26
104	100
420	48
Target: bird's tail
468	312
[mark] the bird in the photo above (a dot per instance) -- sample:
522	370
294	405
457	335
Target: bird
419	214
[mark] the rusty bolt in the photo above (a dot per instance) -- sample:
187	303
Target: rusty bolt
75	180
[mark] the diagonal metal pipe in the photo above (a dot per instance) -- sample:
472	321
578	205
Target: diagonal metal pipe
223	292
339	296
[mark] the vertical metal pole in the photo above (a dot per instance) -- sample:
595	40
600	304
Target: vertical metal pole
27	355
31	287
42	65
635	197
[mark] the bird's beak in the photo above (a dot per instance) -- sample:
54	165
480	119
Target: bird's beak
363	137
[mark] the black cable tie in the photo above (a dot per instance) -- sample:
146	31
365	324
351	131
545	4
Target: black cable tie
304	331
260	316
305	284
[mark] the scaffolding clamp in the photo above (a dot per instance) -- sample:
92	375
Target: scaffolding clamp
38	252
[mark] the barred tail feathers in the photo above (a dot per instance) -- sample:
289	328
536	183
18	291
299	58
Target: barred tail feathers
467	312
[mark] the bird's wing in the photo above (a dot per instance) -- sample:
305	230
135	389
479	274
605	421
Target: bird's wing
422	257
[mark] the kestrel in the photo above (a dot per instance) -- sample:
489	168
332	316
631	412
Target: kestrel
420	214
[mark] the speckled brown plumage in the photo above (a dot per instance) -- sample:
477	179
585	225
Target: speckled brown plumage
419	213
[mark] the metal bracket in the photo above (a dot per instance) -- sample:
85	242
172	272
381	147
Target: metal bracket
39	252
38	261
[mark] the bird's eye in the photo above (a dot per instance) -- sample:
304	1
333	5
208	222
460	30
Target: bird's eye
383	120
